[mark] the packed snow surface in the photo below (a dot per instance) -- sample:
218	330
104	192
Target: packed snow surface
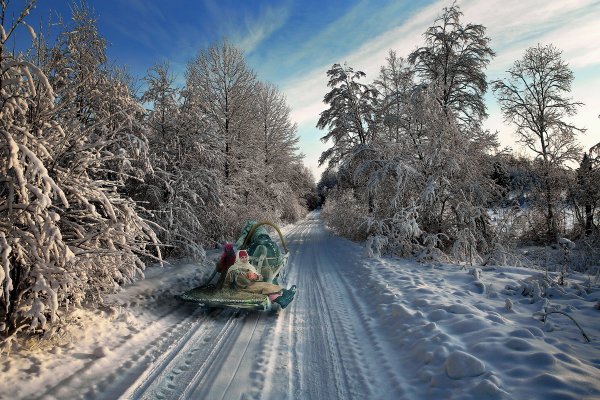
360	328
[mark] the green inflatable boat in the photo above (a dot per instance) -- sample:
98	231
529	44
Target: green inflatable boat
263	252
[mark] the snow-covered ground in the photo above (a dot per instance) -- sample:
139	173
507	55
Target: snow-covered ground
360	328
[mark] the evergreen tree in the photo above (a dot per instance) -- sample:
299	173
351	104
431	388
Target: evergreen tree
349	116
586	195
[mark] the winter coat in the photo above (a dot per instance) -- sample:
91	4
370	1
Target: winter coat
227	258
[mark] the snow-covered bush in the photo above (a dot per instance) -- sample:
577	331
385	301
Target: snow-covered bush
418	145
586	256
70	136
36	261
345	215
375	245
398	234
424	172
500	254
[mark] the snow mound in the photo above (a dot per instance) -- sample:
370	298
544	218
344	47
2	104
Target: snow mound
460	309
488	390
102	351
461	365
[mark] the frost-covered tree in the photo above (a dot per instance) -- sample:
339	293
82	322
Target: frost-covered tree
349	116
454	58
278	135
105	147
585	193
35	259
285	177
534	97
424	197
222	86
247	125
427	194
350	124
182	185
164	98
219	94
395	86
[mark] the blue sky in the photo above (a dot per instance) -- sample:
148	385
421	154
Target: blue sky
292	43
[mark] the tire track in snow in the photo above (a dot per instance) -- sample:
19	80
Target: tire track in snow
323	327
331	308
328	331
231	350
344	325
326	357
282	355
187	361
179	319
392	380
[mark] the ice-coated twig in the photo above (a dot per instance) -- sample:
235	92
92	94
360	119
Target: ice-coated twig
544	315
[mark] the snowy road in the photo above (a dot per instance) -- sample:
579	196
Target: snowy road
360	328
314	349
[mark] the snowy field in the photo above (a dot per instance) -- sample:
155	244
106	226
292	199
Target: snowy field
360	328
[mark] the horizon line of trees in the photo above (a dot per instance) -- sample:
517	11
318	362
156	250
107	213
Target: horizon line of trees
93	186
411	171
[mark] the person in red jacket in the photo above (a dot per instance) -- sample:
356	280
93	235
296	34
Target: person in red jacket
227	260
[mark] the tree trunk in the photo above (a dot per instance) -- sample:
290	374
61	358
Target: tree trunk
589	219
550	219
226	160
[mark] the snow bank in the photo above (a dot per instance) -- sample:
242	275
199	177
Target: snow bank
456	340
98	348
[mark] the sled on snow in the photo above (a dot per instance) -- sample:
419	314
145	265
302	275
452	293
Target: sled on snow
263	252
227	298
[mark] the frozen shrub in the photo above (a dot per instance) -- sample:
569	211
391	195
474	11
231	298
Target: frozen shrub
345	215
67	234
399	234
374	246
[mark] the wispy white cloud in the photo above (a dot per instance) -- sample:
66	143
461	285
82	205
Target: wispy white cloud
513	26
350	30
259	28
146	9
248	31
305	93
